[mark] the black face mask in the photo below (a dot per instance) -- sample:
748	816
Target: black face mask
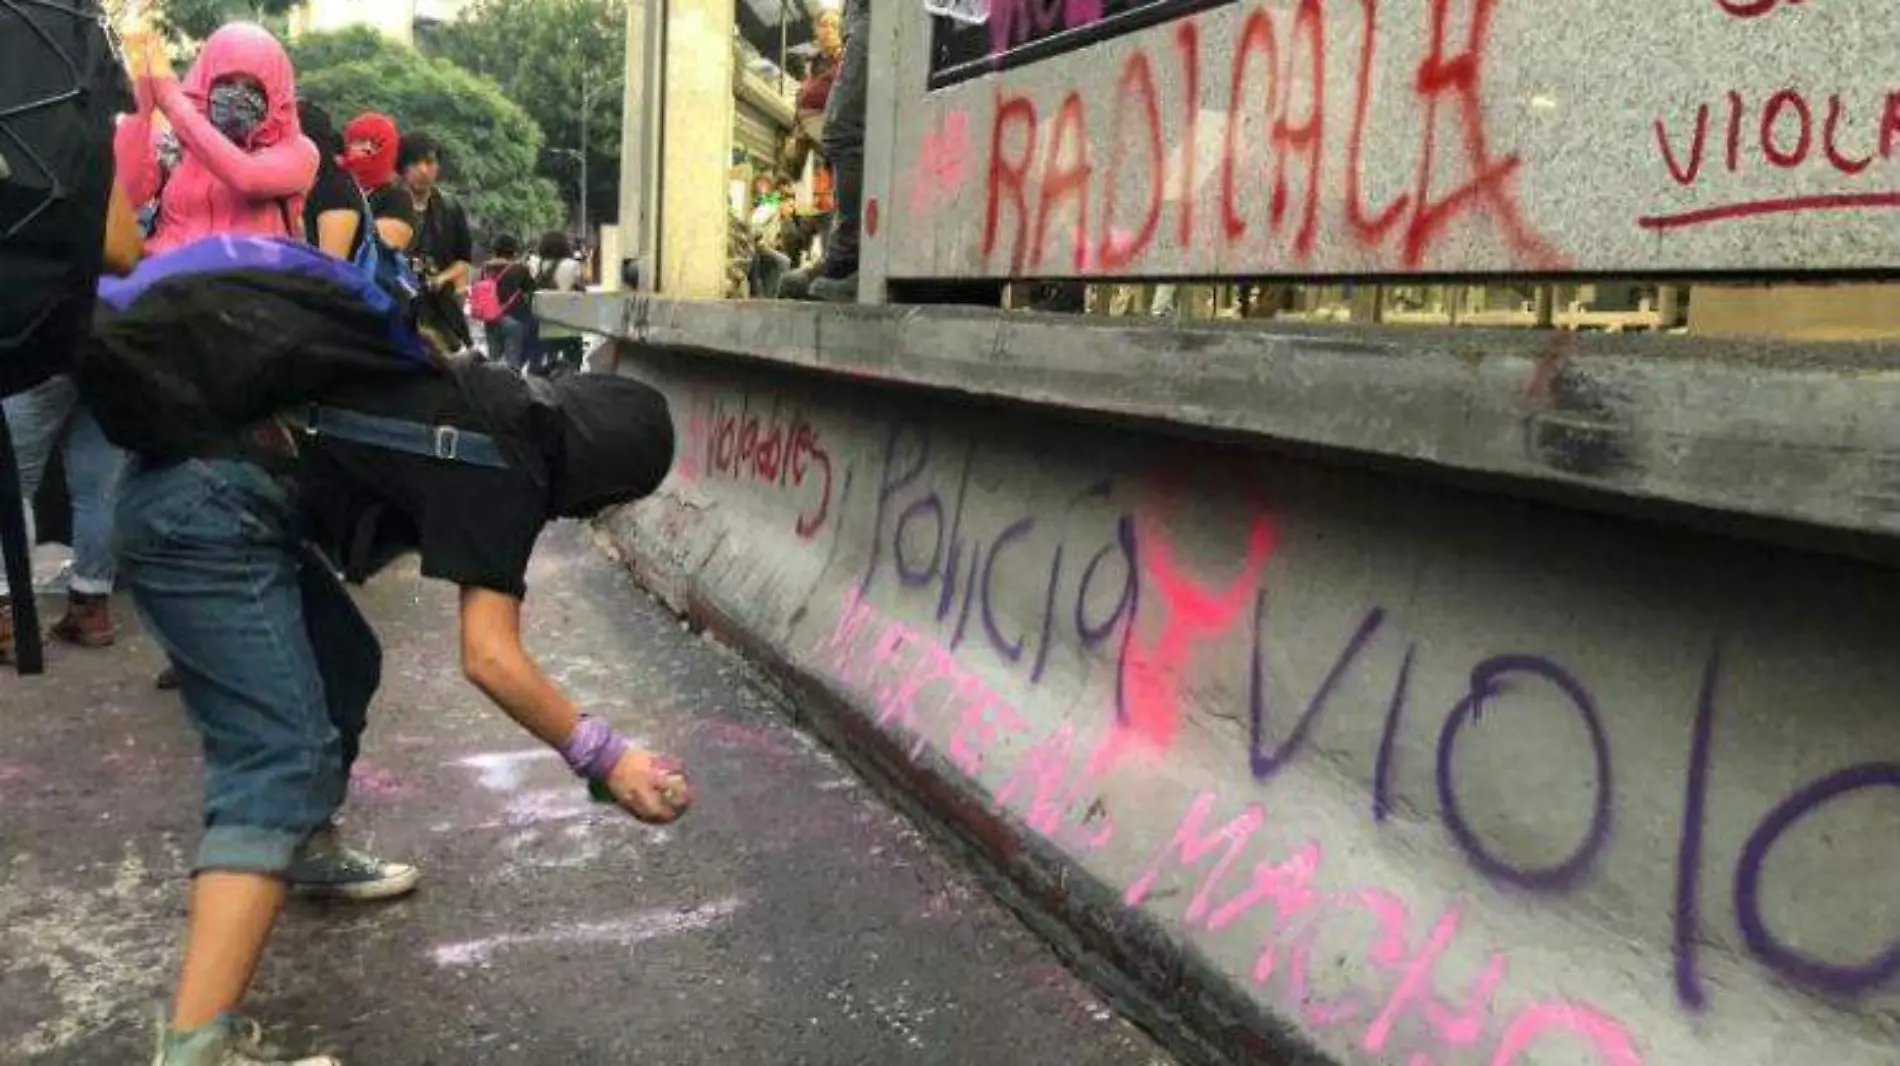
237	110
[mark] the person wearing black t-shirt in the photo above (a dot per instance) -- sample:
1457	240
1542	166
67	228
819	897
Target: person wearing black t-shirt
333	210
444	248
510	338
232	548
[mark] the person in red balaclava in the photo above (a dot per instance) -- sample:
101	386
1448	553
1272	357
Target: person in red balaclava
370	144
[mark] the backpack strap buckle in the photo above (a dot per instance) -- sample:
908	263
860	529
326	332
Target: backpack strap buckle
448	440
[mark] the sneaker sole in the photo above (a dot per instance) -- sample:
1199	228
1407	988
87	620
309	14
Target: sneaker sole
361	891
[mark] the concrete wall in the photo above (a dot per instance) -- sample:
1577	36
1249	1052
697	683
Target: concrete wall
1315	762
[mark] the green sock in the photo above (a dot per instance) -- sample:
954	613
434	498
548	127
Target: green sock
191	1039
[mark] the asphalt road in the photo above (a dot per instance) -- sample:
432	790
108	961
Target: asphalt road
791	918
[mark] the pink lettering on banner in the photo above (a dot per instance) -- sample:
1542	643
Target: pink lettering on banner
1015	22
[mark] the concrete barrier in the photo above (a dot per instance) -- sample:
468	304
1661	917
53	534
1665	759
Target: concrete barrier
1320	764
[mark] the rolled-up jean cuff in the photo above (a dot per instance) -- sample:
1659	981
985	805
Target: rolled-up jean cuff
248	849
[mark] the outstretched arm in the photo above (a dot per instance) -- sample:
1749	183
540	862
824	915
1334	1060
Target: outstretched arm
135	159
125	245
494	660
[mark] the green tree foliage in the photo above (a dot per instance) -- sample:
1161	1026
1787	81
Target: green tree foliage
321	51
542	53
489	145
195	20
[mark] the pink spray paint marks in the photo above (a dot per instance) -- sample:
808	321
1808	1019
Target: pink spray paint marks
1014	22
914	680
1611	1039
1414	1012
689	457
369	779
1457	1028
1154	668
1190	845
943	163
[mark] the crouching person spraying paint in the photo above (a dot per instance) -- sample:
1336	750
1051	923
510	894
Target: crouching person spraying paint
277	405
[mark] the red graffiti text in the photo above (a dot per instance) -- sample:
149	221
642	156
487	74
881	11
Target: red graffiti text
1292	158
1784	130
746	444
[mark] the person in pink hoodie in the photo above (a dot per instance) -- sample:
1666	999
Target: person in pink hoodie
246	164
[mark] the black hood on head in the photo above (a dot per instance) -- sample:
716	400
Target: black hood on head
617	443
592	440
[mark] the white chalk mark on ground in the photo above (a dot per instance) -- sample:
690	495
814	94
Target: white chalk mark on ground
502	771
100	952
626	932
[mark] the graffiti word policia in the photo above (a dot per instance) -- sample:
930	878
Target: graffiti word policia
1109	585
1055	202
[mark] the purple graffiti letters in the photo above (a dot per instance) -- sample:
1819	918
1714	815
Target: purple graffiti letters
1011	650
955	557
1263	761
1835	978
909	575
1488	681
1689	850
922	533
889	486
1382	767
1048	614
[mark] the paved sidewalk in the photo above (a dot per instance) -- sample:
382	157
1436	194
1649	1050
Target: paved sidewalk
791	918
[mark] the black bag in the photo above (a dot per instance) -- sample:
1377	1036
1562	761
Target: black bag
60	86
198	358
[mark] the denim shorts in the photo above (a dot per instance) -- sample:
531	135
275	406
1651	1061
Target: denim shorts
275	664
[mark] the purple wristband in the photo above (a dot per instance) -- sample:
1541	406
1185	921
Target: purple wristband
593	749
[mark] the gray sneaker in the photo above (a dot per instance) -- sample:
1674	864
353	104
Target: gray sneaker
836	290
229	1041
326	868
